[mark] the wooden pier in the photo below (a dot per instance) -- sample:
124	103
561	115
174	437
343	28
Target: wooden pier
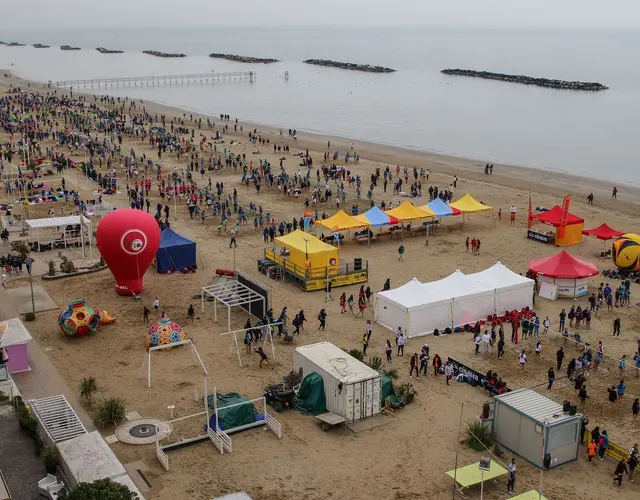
143	81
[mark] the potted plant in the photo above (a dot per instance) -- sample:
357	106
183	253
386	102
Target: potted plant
51	458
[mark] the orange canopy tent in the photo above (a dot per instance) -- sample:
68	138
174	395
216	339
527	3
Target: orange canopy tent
573	229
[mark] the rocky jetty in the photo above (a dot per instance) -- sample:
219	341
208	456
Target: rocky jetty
15	44
528	80
351	66
102	50
243	59
40	46
69	47
162	54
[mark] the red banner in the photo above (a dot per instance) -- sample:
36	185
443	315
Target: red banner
566	203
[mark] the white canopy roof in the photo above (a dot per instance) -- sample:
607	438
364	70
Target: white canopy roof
13	332
407	295
499	276
456	285
56	221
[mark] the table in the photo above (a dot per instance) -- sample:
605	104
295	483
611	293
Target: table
471	474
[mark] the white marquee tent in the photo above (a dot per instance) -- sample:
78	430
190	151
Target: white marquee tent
512	290
456	300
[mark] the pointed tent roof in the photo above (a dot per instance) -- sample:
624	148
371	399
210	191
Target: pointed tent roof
554	216
499	276
169	238
304	242
13	332
469	204
342	221
440	208
603	232
408	211
376	217
563	265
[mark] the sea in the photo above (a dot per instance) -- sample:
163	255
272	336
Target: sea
594	135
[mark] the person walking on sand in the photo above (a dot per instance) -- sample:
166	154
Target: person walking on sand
603	444
614	193
563	317
486	340
388	349
500	347
413	363
522	360
512	215
156	306
466	244
582	395
621	470
545	325
343	303
233	239
328	291
263	357
402	340
633	461
559	357
511	484
350	304
145	315
401	253
365	343
499	215
551	376
190	314
476	342
616	328
635	410
322	317
591	450
448	371
437	363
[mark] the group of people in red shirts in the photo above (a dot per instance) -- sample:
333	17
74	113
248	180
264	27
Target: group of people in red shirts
475	245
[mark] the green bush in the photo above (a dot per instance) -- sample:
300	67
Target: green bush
51	458
479	437
375	362
111	411
357	353
87	387
103	489
390	372
28	423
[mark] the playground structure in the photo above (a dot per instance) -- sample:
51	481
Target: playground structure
163	333
146	362
218	436
230	292
267	334
79	319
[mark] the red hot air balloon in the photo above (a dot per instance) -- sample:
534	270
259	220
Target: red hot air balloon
128	241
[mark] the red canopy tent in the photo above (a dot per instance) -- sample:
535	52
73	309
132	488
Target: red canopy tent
603	232
569	273
573	228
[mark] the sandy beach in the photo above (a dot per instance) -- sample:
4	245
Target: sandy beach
408	456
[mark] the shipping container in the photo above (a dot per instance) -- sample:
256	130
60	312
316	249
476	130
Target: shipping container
352	389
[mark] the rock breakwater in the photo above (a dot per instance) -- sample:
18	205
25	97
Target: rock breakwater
351	66
15	44
243	59
102	50
162	54
528	80
40	46
69	47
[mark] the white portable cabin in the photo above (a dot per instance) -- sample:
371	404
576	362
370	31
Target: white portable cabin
352	389
532	425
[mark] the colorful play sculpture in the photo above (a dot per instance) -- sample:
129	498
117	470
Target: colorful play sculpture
128	241
79	319
163	333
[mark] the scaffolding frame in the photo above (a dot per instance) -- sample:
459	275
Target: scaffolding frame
231	293
194	354
86	231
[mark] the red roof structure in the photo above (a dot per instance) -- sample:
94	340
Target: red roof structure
563	265
553	217
603	232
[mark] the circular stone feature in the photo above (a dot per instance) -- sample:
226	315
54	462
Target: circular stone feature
143	431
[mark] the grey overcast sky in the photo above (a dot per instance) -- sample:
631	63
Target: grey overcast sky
16	14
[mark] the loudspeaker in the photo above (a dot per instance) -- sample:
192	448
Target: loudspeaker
547	461
566	406
486	410
357	264
485	463
573	410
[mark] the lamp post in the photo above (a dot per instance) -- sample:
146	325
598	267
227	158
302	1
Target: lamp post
484	465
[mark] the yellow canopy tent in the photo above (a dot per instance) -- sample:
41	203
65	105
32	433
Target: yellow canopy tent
342	221
408	211
308	255
468	204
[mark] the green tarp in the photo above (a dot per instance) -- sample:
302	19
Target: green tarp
235	416
387	389
311	399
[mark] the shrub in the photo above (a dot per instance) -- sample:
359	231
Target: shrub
357	353
111	411
102	488
51	458
406	392
87	387
28	423
478	436
375	362
391	373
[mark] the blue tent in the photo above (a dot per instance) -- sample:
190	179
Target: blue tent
175	253
441	209
377	217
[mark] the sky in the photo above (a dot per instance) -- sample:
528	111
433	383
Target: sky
66	14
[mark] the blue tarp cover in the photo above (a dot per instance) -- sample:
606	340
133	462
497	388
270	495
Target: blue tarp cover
175	253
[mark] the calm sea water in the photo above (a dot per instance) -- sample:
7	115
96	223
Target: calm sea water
594	135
